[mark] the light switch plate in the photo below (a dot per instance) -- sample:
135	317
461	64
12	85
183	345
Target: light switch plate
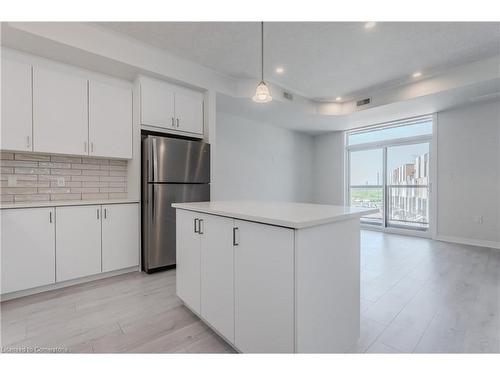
60	182
12	181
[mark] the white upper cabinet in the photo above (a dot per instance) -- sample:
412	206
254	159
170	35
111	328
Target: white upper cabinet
60	122
57	110
110	120
28	248
171	108
120	236
157	104
189	112
16	106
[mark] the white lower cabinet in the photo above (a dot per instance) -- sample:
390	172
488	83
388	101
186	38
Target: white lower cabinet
217	281
120	236
239	277
28	248
78	242
263	284
188	259
43	246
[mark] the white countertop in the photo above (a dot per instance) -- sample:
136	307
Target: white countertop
285	214
4	206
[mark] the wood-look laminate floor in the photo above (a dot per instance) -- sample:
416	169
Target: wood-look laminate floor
417	295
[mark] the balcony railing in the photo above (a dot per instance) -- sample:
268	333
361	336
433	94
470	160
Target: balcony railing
368	196
407	206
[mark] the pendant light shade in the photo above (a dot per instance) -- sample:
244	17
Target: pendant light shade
262	94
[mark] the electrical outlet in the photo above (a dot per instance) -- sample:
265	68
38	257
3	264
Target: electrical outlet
60	182
12	181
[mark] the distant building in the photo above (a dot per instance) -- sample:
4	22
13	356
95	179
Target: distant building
408	193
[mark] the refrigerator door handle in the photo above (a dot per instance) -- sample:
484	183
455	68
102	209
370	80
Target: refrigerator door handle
154	159
196	225
152	203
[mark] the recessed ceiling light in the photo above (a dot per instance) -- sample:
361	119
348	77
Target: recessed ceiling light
416	74
338	98
370	25
280	70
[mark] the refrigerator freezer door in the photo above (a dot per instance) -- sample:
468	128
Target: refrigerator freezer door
159	228
174	160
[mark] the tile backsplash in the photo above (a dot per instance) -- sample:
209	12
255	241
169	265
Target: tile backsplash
27	177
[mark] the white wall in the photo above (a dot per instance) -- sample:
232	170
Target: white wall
255	161
469	173
328	169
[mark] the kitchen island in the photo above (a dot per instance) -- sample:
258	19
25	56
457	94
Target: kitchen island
272	277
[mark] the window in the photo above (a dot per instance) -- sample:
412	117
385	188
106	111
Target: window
366	186
408	186
420	127
388	169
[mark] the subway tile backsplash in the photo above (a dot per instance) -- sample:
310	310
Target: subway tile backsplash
41	177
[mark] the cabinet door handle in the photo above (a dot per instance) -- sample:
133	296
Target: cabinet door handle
50	217
92	147
105	213
196	225
173	122
236	232
178	122
85	146
28	143
97	214
200	228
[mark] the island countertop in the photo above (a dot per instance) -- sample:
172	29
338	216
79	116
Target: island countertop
284	214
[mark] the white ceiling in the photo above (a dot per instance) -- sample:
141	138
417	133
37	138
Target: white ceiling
287	116
323	60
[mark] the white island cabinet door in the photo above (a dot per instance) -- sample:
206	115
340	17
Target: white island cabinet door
189	112
188	242
157	104
28	248
264	288
217	282
120	236
78	242
16	106
110	120
60	119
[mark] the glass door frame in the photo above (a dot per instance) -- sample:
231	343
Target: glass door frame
430	139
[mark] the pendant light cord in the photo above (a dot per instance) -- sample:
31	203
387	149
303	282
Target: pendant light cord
262	51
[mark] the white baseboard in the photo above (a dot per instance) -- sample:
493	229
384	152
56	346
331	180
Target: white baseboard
403	232
64	284
469	241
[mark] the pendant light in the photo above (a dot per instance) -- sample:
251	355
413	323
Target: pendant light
262	94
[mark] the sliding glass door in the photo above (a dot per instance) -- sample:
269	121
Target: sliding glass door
407	187
366	183
389	169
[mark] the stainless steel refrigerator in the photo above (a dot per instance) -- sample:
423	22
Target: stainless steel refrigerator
173	170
